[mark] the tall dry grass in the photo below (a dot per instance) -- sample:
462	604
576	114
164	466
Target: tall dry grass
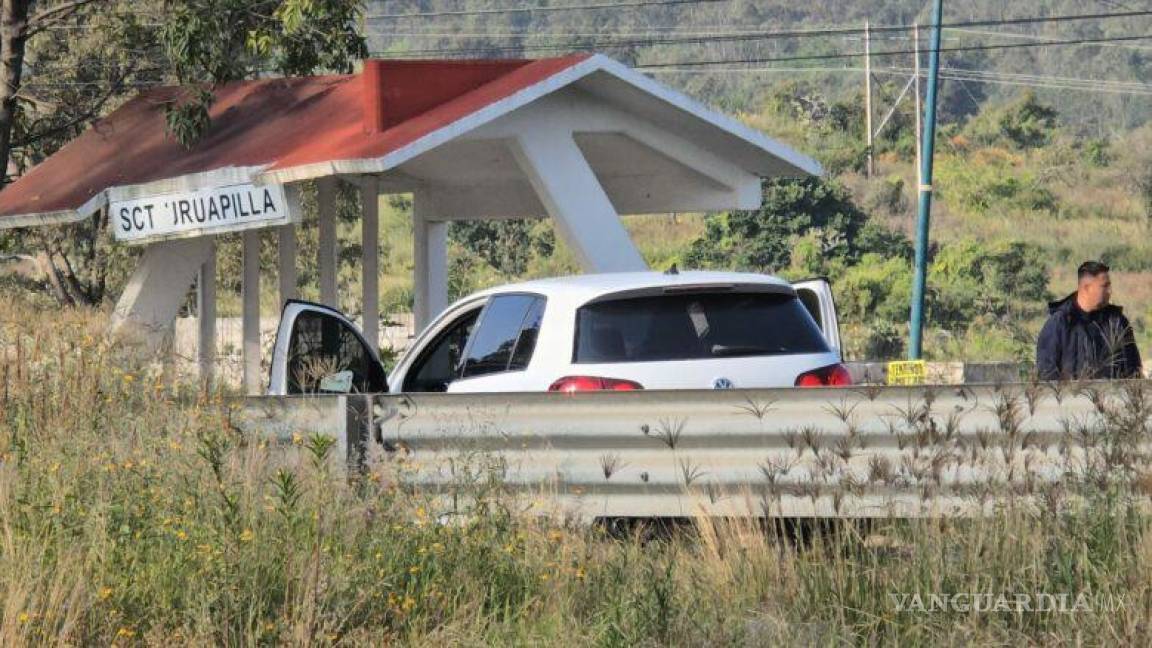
132	512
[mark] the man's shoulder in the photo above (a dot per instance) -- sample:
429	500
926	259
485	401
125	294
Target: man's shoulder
1114	312
1057	322
1060	312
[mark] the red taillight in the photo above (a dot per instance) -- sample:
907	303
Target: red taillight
570	384
831	376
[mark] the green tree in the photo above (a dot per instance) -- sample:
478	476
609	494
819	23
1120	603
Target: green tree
76	61
67	63
1023	123
819	212
506	245
20	21
209	42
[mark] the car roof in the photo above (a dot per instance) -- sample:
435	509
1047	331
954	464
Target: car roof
591	286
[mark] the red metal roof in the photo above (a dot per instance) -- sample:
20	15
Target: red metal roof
275	124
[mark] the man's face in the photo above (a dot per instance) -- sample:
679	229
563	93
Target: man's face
1095	292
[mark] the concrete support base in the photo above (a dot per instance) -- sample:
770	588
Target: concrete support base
159	286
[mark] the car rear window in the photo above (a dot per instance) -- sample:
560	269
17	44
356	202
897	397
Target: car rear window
695	326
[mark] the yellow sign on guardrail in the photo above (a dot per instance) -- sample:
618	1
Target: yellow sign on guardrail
907	372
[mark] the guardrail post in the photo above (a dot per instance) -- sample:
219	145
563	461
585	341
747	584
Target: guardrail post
357	432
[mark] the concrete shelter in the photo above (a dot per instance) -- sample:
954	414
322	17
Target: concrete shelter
580	139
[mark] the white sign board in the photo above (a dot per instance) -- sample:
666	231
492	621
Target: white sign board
198	213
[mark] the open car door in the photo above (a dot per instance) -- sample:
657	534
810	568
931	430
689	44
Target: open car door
816	295
318	351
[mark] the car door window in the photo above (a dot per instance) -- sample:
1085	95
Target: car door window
439	363
529	331
506	321
325	347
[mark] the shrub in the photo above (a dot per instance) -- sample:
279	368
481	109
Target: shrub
1023	123
968	279
992	186
819	212
887	195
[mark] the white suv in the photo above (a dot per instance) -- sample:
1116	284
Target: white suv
621	331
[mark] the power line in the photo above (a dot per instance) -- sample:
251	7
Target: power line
805	33
1035	37
1108	86
969	48
410	54
544	9
1042	77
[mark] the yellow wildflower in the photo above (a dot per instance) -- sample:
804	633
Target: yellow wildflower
247	535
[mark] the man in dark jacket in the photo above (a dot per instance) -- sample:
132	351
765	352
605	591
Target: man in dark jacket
1087	337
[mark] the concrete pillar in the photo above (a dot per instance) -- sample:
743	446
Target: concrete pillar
250	325
569	190
430	275
326	259
206	317
370	262
286	262
157	288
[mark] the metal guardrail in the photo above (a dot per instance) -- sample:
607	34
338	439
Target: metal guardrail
288	420
856	452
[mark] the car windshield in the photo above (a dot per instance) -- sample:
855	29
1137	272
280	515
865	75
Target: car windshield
695	326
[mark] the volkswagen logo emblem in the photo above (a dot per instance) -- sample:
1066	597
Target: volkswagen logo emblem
722	383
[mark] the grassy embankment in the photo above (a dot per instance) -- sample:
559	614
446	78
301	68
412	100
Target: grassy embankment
132	512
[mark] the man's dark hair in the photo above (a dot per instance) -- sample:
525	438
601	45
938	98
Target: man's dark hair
1091	269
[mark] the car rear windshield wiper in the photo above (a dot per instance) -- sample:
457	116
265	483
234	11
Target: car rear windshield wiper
721	350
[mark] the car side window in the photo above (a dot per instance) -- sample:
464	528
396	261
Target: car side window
505	336
529	331
811	303
325	355
439	364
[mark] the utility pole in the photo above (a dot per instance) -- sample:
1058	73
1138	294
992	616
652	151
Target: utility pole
919	107
925	215
868	97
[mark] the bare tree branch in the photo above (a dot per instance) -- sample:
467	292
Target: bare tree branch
53	15
91	113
